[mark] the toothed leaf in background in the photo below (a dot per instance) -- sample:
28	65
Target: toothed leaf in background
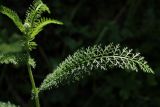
8	104
12	51
11	48
14	58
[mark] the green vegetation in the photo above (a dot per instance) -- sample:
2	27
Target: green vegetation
86	61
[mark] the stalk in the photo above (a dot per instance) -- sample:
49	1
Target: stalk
35	90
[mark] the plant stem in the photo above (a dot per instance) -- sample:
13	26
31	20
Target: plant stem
35	90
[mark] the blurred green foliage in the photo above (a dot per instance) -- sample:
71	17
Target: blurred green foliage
132	23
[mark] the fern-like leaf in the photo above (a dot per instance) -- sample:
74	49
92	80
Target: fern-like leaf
8	104
84	61
42	23
13	16
35	11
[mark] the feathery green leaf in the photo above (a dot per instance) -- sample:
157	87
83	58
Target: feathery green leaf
35	11
13	16
42	23
84	61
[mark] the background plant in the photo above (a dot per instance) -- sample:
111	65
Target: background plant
80	34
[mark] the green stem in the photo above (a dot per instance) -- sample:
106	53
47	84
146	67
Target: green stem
35	90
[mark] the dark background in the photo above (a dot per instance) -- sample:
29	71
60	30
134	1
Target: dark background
132	23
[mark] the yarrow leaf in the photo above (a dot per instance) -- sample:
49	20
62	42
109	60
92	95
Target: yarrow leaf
42	22
84	61
35	11
13	16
